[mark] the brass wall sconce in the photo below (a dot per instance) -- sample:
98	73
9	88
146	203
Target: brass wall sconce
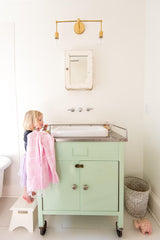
79	26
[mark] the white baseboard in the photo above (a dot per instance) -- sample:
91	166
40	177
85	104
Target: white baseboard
154	207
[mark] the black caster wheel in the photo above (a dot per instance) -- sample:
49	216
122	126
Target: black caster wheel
119	231
43	229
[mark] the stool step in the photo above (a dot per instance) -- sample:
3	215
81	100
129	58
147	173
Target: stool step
24	214
22	205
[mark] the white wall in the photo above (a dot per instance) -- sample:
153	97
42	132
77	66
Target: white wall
8	106
152	105
117	94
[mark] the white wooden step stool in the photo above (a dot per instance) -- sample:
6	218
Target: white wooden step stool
24	214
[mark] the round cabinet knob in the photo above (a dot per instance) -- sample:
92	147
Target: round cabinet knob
85	187
74	186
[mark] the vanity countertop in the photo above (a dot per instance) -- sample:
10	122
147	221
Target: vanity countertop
112	137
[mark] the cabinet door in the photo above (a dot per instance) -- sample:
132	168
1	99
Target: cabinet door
101	178
61	196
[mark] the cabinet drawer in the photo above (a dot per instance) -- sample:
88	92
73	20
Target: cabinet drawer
87	150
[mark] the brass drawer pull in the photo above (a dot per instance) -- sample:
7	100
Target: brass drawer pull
79	166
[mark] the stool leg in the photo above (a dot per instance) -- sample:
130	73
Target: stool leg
12	223
20	219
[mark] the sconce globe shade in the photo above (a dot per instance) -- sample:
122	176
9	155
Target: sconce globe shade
56	35
101	34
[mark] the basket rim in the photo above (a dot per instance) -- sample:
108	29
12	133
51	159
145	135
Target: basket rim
132	177
137	178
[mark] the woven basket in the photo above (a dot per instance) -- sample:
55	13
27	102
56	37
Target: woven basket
136	195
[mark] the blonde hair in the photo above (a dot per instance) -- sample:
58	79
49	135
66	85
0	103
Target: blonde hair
30	118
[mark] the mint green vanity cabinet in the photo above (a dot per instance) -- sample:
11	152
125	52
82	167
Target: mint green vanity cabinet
91	181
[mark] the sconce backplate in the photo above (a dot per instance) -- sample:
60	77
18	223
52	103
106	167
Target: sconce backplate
79	27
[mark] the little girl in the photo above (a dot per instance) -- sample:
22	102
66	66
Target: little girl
33	120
